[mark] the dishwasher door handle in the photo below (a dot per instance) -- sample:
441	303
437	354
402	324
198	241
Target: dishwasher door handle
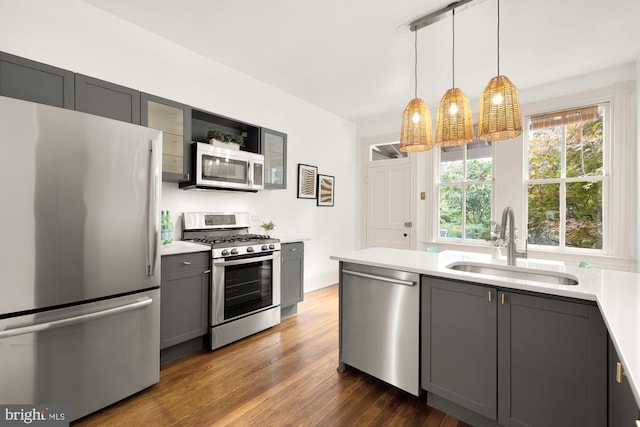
380	278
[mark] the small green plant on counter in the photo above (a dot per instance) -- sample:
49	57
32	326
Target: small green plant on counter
225	137
493	235
268	226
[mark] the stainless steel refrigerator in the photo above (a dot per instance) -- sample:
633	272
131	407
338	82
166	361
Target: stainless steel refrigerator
79	258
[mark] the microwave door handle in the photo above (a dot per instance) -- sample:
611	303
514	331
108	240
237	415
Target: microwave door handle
222	263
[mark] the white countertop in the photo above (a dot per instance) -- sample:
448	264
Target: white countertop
291	239
617	293
182	247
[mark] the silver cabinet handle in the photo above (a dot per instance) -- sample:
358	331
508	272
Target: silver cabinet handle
207	271
186	262
73	320
380	278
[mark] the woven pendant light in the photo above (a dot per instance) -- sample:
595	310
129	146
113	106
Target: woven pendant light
499	113
416	127
454	124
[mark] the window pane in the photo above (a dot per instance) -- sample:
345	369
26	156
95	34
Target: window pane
584	215
478	213
544	214
584	149
544	152
451	211
451	164
479	161
386	151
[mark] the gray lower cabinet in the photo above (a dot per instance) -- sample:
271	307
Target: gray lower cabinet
292	274
107	99
33	81
184	297
459	344
517	359
623	409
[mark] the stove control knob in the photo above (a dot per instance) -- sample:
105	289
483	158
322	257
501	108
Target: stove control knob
250	249
234	251
272	246
225	252
264	247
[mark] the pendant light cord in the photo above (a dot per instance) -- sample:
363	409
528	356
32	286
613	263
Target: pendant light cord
498	44
415	70
453	51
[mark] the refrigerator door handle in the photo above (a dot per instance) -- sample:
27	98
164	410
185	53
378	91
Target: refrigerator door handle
152	232
73	320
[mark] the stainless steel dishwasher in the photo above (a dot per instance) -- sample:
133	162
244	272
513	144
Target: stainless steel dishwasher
379	324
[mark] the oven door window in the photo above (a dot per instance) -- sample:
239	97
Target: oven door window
216	168
247	288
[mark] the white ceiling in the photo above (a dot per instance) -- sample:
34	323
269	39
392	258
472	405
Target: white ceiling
353	58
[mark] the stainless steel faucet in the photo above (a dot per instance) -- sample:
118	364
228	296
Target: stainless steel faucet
512	252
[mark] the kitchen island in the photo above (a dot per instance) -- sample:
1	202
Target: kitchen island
616	294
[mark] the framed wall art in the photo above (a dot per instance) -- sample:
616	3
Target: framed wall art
307	181
326	190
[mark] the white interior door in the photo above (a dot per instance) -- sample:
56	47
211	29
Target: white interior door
389	222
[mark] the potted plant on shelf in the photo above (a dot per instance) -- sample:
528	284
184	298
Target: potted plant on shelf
267	227
225	139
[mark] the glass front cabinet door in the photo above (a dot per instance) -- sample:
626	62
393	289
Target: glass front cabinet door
174	120
274	149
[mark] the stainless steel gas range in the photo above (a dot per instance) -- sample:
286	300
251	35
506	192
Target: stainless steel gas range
245	279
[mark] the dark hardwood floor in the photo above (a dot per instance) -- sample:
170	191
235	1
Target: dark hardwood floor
285	376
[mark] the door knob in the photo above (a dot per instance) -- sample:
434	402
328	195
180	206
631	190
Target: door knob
408	224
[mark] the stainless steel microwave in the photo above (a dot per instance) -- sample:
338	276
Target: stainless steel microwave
218	168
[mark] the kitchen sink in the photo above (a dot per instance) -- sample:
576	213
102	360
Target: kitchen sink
521	273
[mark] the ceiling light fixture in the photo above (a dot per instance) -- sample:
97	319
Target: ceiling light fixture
454	124
499	114
416	129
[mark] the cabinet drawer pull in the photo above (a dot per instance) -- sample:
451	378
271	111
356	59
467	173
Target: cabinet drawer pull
619	372
502	298
207	271
489	294
186	262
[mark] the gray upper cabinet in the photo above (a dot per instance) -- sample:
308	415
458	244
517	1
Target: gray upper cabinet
274	148
550	354
174	119
106	99
36	82
292	273
623	409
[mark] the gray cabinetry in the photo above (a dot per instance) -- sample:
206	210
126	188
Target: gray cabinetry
174	119
551	362
106	99
550	356
459	339
273	146
291	276
184	297
623	409
36	82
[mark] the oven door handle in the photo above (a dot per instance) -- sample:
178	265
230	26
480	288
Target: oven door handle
223	263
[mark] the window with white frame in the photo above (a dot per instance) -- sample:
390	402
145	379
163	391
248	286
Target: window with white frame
465	191
567	183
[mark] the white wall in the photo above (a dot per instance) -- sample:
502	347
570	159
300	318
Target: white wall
76	36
